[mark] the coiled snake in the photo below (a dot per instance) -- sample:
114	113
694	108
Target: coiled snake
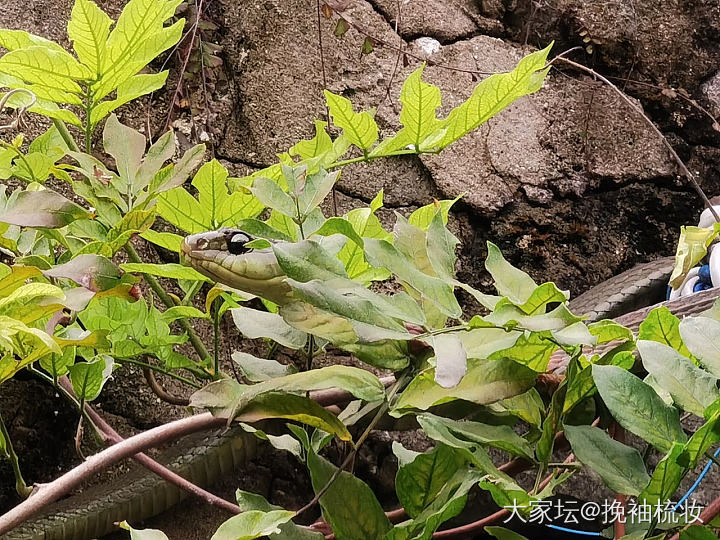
222	256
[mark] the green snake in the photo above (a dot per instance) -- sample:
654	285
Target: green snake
223	257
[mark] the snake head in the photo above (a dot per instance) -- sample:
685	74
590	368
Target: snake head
229	240
224	257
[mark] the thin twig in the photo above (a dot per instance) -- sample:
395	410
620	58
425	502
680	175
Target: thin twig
193	33
161	392
49	493
686	172
381	411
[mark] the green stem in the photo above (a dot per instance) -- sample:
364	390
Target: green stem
22	158
194	288
89	105
65	134
168	301
216	340
20	486
369	158
159	370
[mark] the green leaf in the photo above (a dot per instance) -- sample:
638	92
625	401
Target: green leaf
261	324
88	378
706	436
486	381
637	407
252	524
418	482
501	437
360	128
621	467
182	210
88	29
665	478
261	369
662	326
441	245
138	37
142	534
349	300
531	349
608	330
57	364
93	272
170	270
307	260
133	88
55	70
163	239
449	502
288	531
510	282
336	225
211	183
698	532
271	195
691	248
360	383
42	209
501	533
691	388
317	146
493	94
349	506
367	225
381	253
126	145
19	39
423	216
295	408
316	187
700	334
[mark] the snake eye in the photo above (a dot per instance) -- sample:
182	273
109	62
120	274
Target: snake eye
236	243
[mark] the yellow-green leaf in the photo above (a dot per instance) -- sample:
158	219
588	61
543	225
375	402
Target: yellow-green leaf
494	94
88	29
359	128
45	67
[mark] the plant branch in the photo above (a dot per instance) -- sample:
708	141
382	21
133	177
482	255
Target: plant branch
160	392
686	172
65	134
159	370
6	444
378	415
193	33
169	302
49	493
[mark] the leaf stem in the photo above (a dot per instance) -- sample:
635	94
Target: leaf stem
20	486
22	158
169	302
89	106
216	339
65	134
368	158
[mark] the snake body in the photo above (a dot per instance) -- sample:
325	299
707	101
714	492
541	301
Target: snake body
217	255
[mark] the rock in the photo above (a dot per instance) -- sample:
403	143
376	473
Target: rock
710	91
444	20
666	43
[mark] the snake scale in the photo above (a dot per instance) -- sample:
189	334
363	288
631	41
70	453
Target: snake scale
221	256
